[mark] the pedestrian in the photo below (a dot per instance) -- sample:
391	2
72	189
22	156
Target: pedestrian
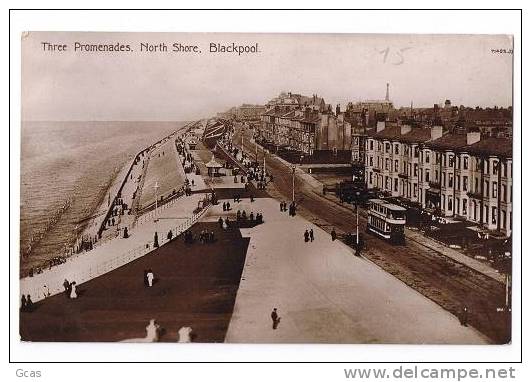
23	303
464	316
252	198
311	234
244	215
66	285
193	183
29	303
251	217
145	278
220	222
224	206
333	234
228	206
45	291
306	236
281	206
150	277
275	318
170	235
73	291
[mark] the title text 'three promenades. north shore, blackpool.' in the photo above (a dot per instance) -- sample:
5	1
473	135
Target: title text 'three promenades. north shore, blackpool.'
158	47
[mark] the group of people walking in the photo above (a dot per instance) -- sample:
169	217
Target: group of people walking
242	216
70	289
26	305
292	208
308	235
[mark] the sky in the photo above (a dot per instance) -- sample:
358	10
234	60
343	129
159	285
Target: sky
168	86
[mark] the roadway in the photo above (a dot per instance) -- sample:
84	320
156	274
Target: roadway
447	282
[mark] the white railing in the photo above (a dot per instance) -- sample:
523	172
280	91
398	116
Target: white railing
80	276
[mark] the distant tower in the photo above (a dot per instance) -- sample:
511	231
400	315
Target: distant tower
387	93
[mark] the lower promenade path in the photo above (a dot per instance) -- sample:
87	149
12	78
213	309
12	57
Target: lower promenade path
195	286
176	215
325	294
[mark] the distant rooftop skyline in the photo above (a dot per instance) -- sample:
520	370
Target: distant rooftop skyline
341	68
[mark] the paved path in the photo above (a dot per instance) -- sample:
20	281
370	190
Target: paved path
326	294
87	265
195	285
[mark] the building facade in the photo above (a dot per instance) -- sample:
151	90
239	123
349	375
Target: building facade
454	175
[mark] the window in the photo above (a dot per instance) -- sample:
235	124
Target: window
436	175
494	189
396	149
457	181
449	203
465	163
504	193
451	161
465	204
465	183
486	166
396	165
416	152
415	170
396	184
370	160
450	180
476	185
387	146
504	169
387	163
414	190
495	167
371	144
494	215
427	157
444	179
427	178
486	189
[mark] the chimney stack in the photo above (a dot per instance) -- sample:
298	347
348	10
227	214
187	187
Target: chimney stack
472	138
387	93
404	129
436	132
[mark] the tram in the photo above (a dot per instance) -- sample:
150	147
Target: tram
386	220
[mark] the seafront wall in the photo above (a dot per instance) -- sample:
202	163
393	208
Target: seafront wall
46	283
109	256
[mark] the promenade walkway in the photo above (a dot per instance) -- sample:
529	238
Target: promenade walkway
326	294
176	215
195	286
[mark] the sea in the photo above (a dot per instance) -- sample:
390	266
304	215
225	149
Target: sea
66	171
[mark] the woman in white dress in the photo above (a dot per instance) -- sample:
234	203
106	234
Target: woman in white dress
150	277
73	292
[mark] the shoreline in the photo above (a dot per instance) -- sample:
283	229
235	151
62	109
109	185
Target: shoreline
91	222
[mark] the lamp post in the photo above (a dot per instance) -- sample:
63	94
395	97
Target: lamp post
356	202
156	187
293	183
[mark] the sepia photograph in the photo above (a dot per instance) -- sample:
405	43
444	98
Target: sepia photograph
266	188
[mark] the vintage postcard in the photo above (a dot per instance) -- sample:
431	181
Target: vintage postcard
266	188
